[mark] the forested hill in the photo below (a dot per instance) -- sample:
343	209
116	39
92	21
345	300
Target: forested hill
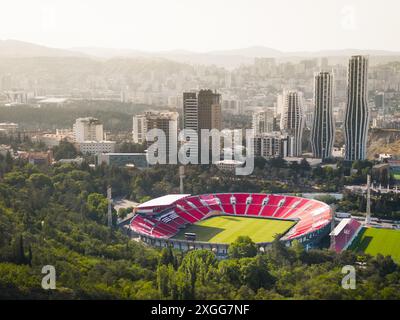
116	117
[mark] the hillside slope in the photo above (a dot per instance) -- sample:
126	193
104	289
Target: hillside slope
383	141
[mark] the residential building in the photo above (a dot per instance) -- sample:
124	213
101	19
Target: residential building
293	119
356	120
323	128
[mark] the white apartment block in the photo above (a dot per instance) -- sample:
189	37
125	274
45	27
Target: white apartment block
264	121
165	121
139	129
96	147
88	129
273	145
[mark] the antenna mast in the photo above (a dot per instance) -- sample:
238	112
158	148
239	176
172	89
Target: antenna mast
368	215
181	177
109	214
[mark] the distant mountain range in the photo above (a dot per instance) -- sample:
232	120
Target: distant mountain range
20	49
223	58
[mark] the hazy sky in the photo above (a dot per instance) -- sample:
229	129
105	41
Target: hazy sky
203	25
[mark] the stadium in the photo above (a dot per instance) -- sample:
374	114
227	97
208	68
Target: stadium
213	221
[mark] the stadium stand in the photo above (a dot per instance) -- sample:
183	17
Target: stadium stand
344	233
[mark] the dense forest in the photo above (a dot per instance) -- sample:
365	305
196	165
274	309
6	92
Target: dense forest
116	116
57	216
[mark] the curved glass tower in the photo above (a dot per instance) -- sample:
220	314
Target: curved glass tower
356	120
293	120
323	129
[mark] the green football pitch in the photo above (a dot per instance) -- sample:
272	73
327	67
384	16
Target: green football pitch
226	229
374	241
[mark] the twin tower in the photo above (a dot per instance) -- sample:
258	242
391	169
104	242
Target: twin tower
356	120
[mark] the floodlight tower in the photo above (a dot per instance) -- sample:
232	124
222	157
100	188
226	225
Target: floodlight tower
333	239
368	215
181	177
109	214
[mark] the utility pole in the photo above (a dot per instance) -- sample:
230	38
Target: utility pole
109	213
368	215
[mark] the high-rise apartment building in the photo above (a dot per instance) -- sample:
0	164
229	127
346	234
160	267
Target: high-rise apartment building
190	111
209	110
191	122
139	129
380	103
264	121
89	136
165	121
356	121
201	110
323	128
293	119
273	144
88	129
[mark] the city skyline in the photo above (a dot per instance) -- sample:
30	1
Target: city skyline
346	24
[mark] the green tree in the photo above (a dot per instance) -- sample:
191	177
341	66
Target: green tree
163	281
255	273
97	206
167	257
195	269
19	251
65	150
40	181
242	247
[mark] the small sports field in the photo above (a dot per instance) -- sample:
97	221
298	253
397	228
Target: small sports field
374	241
226	229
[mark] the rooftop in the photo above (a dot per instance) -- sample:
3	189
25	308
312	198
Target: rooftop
339	228
162	201
229	162
124	154
94	141
53	100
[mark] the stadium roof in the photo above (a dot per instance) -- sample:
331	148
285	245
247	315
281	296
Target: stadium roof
53	100
339	228
163	201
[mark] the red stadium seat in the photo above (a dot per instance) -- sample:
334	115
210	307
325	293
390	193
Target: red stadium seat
257	198
241	197
228	208
253	209
195	200
224	198
279	211
267	211
193	212
185	216
241	209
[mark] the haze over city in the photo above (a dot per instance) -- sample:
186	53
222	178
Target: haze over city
154	25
